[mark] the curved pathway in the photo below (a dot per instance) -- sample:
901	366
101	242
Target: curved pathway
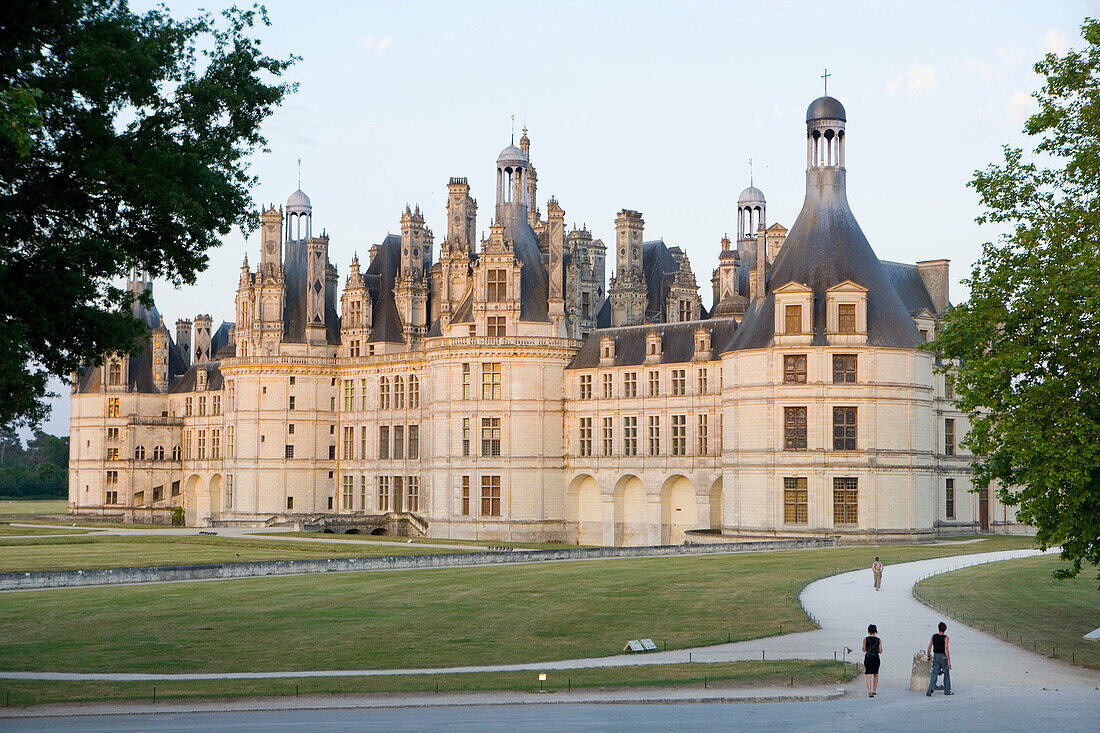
842	604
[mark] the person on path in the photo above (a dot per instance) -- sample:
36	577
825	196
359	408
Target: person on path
876	568
941	661
872	647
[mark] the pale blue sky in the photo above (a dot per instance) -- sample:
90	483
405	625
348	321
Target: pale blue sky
654	106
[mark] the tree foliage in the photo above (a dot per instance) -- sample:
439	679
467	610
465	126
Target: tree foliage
1028	340
123	144
39	471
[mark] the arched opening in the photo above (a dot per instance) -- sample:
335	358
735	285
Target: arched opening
679	510
215	495
114	374
191	488
630	514
328	531
830	151
353	530
584	510
378	531
716	512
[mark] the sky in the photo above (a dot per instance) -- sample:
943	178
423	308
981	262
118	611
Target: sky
652	106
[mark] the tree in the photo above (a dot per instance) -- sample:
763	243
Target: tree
1028	340
123	144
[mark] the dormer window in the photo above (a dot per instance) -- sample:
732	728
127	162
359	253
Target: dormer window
497	286
702	343
607	350
792	319
653	346
793	314
846	318
846	313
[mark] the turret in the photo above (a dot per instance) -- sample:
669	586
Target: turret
628	288
160	357
512	190
556	249
203	334
183	339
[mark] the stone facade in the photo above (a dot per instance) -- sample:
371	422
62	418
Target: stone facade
498	392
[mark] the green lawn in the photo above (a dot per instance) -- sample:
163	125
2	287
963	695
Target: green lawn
116	551
7	530
735	675
428	540
1019	601
17	507
428	618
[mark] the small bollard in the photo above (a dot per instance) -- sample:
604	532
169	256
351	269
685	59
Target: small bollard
922	672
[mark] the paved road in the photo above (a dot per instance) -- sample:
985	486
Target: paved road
992	709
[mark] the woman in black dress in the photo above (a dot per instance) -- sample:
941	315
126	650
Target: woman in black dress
872	648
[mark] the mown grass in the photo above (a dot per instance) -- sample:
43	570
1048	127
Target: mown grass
428	540
1022	603
22	508
6	530
733	675
18	554
428	618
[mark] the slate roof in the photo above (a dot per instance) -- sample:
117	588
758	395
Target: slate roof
380	278
677	342
534	278
295	269
824	248
910	287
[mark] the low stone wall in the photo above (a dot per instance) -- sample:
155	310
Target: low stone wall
174	573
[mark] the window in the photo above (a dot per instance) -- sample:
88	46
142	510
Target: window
608	386
701	383
231	391
795	502
794	369
704	440
398	393
465	381
347	493
363	493
949	499
384	393
844	428
412	493
187	442
844	368
685	311
654	435
158	453
215	444
139	453
494	326
654	384
792	319
288	451
630	436
231	442
292	381
349	443
112	497
414	441
353	348
490	436
679	435
630	384
175	488
363	393
383	493
112	433
332	406
846	318
290	502
398	492
114	374
398	441
586	387
363	444
202	406
113	410
845	501
490	496
112	454
949	387
794	428
465	493
497	287
490	381
414	392
112	477
177	453
586	304
949	437
679	382
585	442
290	403
608	436
349	395
201	443
290	429
217	404
465	436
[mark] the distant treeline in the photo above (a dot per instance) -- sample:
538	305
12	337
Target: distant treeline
39	471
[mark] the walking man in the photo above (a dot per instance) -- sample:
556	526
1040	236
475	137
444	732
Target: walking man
941	661
876	568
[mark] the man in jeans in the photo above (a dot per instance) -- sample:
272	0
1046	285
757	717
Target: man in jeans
941	661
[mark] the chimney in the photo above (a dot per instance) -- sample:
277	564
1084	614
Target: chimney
937	281
183	339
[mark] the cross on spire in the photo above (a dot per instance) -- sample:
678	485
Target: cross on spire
826	76
750	172
299	174
513	129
